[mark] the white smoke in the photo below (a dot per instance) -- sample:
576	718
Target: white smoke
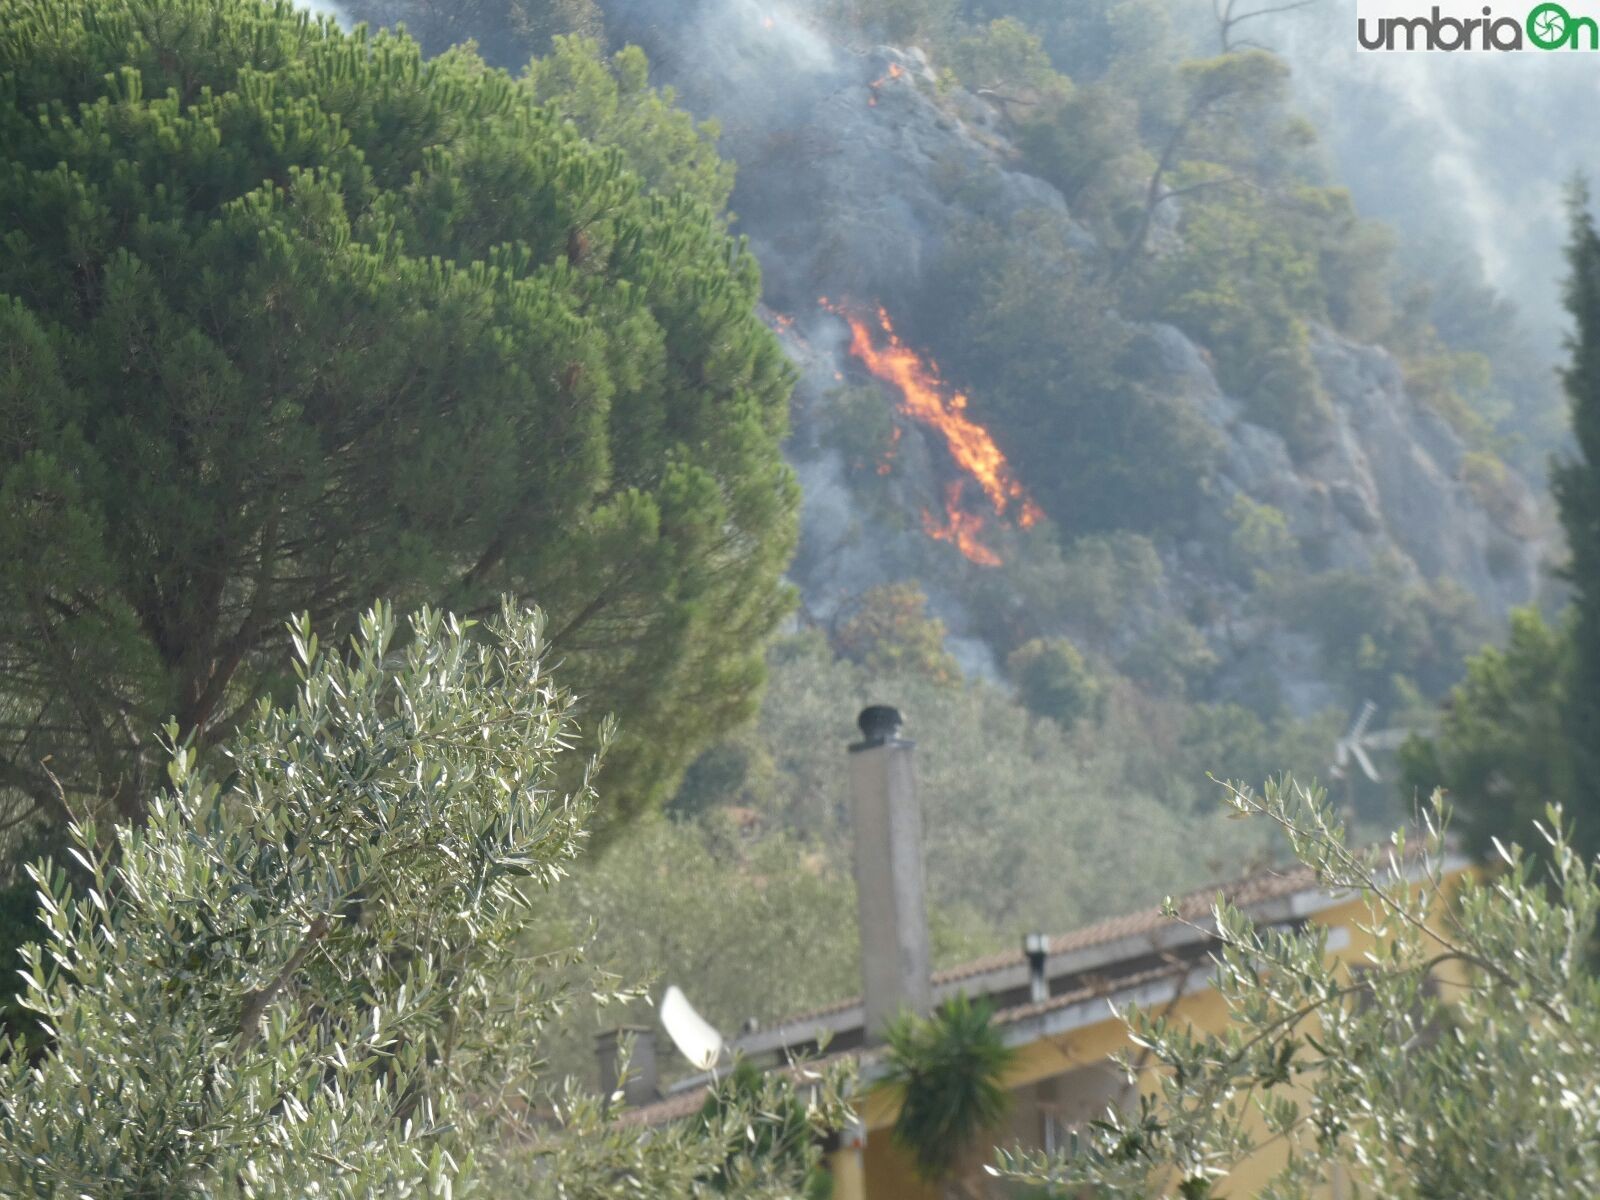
744	60
326	8
1472	147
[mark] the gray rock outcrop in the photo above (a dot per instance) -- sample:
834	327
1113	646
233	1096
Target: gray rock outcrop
856	165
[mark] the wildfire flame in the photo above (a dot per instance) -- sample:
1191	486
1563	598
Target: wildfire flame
960	528
894	72
886	463
925	398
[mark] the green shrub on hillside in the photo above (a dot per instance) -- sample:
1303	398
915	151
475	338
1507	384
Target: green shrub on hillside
507	32
1004	797
1007	58
1260	539
888	632
1085	143
1374	629
611	103
1052	680
904	22
1240	284
1019	311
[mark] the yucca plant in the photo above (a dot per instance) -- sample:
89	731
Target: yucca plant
948	1073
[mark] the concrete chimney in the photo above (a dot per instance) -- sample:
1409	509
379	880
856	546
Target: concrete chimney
640	1086
888	860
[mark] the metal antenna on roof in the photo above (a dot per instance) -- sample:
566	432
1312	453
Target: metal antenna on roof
691	1033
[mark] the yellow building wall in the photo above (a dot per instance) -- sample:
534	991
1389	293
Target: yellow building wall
887	1174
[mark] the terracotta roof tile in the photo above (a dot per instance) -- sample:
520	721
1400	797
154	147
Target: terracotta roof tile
1267	884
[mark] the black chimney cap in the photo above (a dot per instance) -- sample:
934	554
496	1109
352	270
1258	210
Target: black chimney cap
879	723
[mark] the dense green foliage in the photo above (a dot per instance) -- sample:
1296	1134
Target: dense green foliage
293	319
781	1141
1460	1060
1501	750
889	632
1519	732
507	32
1576	483
1053	681
948	1073
300	978
611	103
1004	796
1005	54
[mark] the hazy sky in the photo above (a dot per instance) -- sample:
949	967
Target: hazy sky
1474	148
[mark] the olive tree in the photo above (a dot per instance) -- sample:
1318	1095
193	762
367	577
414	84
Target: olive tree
299	975
1461	1057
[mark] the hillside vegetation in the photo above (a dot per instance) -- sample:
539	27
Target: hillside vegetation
1270	488
301	317
695	375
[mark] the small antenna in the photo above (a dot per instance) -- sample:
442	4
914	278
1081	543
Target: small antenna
694	1037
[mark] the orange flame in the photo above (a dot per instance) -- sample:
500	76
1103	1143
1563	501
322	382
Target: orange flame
924	397
886	463
960	528
894	72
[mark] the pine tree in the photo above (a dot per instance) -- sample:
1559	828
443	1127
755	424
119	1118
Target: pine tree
291	319
1577	489
1520	730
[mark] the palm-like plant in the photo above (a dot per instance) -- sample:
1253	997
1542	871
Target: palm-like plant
948	1073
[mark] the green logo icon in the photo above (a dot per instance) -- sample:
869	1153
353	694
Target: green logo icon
1551	27
1548	25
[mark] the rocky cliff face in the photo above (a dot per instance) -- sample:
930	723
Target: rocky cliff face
1391	489
855	166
